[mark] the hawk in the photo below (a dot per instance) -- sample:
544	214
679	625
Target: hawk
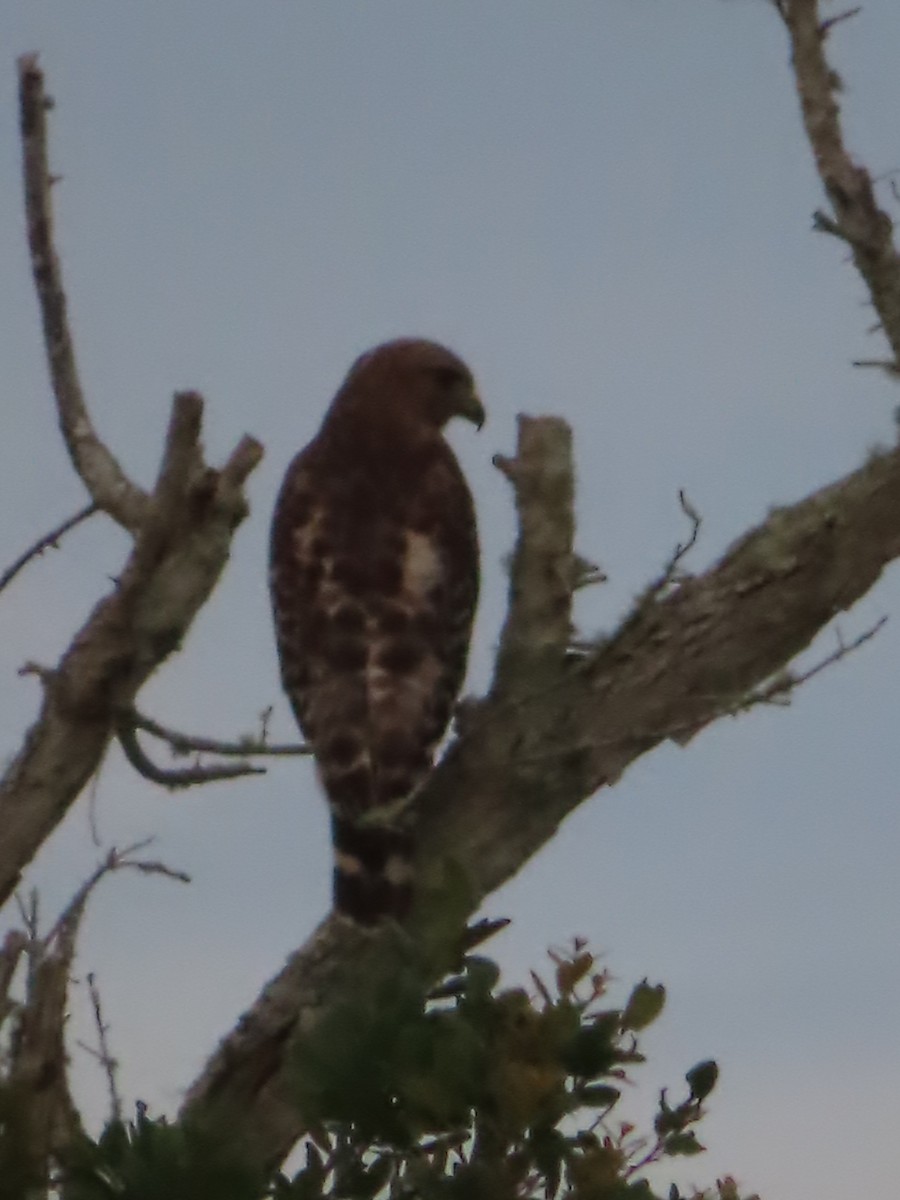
374	578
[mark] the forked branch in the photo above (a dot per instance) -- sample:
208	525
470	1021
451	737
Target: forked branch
182	536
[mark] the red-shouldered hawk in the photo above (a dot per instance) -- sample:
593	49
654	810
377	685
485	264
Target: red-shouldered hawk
374	576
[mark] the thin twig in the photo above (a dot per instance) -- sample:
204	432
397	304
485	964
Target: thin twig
189	777
779	689
110	1064
116	860
29	913
102	475
183	743
882	364
659	587
826	26
682	548
49	540
822	223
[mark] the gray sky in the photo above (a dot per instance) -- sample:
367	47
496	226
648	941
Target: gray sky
605	208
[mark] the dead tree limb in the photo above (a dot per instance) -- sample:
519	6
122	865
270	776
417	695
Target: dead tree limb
177	777
242	747
45	1120
182	535
858	219
109	487
49	540
103	1054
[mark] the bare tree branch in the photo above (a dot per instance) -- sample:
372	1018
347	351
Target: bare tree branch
116	860
182	538
131	631
780	689
858	219
243	459
243	747
101	474
825	27
708	641
102	1054
182	459
543	568
37	1072
176	778
671	573
49	540
14	945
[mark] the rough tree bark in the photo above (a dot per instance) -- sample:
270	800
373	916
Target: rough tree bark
181	538
558	722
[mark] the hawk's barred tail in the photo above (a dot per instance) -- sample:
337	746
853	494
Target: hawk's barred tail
372	871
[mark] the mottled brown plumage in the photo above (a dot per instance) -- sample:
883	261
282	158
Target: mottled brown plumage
374	574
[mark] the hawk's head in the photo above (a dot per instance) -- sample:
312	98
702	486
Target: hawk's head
428	380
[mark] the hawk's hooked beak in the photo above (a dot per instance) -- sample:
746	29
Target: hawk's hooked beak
471	407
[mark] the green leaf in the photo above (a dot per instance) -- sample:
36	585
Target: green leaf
482	974
440	1070
549	1150
114	1141
347	1070
669	1120
701	1079
598	1095
644	1005
592	1051
361	1180
571	971
156	1160
683	1143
